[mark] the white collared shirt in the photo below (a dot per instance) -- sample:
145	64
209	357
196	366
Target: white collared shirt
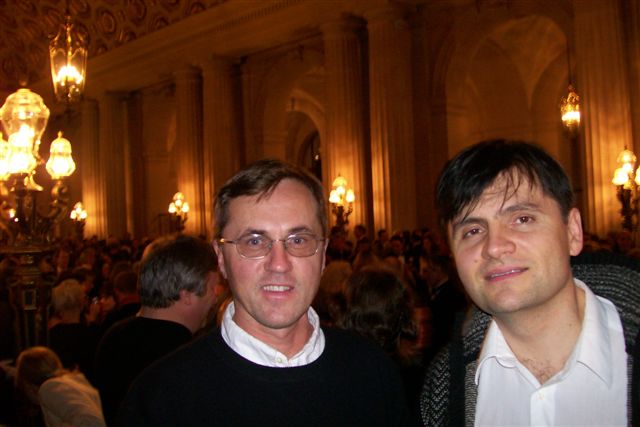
591	390
258	352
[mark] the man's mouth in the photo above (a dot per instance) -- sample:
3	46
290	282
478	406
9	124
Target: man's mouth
504	273
277	288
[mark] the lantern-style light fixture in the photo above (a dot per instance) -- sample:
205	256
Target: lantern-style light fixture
68	53
627	180
570	110
60	163
341	199
179	210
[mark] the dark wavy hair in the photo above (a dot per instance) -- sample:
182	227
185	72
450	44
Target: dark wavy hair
379	307
261	178
475	168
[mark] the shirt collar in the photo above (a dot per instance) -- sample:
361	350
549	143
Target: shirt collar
592	349
257	351
594	346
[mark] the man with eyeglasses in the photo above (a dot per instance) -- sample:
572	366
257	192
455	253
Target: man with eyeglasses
270	363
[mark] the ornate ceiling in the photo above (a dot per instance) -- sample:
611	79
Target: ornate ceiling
27	26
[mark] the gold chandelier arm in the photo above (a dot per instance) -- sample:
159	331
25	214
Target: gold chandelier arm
58	209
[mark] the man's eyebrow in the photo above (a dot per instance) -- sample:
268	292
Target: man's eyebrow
252	231
520	207
300	229
456	225
294	230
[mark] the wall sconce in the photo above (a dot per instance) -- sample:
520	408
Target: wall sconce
79	217
68	54
341	199
179	210
627	180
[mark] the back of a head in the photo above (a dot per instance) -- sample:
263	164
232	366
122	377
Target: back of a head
69	295
379	307
126	282
35	365
260	179
474	169
173	264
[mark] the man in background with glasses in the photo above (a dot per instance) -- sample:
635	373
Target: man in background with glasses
270	363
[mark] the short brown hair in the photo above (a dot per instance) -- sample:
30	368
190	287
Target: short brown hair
261	178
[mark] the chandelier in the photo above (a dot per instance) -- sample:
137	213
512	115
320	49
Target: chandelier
570	110
26	231
68	53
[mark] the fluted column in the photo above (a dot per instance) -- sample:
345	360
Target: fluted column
222	136
632	14
134	167
112	159
344	144
93	193
392	140
606	124
189	146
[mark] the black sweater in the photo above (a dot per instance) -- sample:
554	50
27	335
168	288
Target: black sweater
206	383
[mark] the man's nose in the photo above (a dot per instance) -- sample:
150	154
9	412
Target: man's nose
498	243
278	258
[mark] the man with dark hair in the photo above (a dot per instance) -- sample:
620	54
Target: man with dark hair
545	349
177	276
270	355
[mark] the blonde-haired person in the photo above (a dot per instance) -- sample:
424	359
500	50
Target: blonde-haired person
75	332
66	397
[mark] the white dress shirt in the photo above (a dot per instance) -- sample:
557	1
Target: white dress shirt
591	389
258	352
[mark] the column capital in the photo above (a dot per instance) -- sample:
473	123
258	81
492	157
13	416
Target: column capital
189	72
389	13
346	24
218	64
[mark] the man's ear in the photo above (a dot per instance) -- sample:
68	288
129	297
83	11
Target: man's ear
221	268
574	231
185	297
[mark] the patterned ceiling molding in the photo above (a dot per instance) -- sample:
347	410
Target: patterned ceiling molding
28	25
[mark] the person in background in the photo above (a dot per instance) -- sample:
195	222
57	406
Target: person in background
380	308
127	298
65	397
270	239
177	279
74	334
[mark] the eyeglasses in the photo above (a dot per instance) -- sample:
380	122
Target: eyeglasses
256	246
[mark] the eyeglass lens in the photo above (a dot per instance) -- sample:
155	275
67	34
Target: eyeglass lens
257	245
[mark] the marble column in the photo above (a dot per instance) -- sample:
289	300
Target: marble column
134	167
189	145
606	122
345	142
93	193
112	163
391	112
632	21
223	150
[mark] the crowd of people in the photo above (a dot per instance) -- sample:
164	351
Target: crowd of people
331	330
